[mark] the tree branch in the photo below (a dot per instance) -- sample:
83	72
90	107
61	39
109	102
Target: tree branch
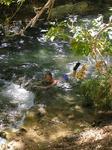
33	21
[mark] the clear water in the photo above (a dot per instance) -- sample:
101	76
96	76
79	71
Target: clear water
21	63
15	66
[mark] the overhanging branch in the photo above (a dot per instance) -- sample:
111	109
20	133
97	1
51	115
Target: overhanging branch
48	5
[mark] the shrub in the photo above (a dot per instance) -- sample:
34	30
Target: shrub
97	92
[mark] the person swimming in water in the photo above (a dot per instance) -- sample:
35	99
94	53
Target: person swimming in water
47	82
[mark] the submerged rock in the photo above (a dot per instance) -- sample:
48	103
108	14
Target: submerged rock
14	145
3	134
21	131
41	110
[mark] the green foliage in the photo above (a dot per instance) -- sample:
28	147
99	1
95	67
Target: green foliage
84	38
81	45
8	2
97	92
90	37
58	32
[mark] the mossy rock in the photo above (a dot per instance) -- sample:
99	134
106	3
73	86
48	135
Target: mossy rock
78	8
63	10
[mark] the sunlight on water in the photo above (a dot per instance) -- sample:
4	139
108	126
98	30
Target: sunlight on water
19	95
16	101
2	141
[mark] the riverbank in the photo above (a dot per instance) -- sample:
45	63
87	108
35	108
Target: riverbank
58	128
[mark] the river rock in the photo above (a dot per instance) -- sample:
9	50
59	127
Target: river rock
15	145
77	8
3	134
30	115
21	131
42	110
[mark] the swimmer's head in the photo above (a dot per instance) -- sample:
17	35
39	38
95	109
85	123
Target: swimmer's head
48	76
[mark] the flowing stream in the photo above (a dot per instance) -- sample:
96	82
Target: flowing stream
20	62
16	66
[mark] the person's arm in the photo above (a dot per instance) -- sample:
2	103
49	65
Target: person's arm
49	86
52	84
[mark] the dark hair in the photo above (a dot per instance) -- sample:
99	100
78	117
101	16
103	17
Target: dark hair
76	66
48	73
